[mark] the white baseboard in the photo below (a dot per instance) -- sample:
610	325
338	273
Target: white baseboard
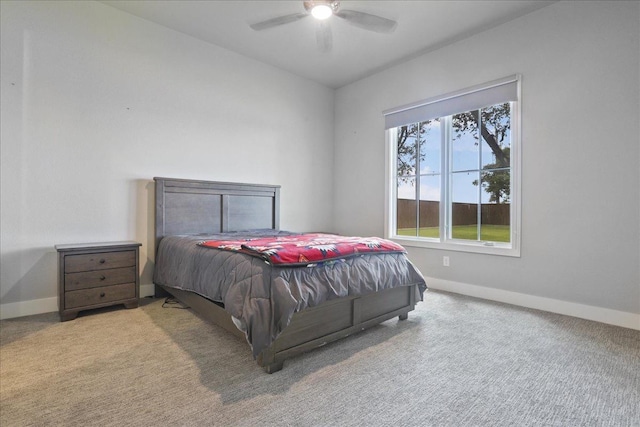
598	314
147	290
47	305
27	308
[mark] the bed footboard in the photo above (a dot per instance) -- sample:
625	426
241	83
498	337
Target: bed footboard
333	320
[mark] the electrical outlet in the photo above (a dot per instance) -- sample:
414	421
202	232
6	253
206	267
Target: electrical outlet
445	261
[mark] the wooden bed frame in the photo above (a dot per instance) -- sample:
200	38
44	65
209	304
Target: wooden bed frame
193	207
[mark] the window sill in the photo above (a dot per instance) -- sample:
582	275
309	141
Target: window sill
459	246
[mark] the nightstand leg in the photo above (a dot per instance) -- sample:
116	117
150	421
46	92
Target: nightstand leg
131	304
68	315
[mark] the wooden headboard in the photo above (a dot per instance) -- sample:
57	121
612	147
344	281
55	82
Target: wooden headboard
185	206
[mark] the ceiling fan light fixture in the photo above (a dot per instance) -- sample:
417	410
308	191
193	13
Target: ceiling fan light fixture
321	9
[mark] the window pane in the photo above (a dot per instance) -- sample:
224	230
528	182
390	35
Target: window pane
431	137
496	186
496	136
406	212
430	206
496	213
407	150
464	141
464	206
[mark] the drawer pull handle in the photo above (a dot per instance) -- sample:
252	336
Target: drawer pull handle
102	294
102	278
102	261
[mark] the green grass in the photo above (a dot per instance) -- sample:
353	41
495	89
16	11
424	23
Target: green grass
489	233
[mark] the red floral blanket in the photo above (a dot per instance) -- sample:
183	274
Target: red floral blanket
305	249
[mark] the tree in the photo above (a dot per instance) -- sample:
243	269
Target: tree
496	182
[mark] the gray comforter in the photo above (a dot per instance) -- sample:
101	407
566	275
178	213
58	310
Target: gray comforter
262	298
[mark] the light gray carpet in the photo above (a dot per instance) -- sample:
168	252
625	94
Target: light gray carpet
457	361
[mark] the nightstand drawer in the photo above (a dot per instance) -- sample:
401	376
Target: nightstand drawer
99	261
96	278
94	296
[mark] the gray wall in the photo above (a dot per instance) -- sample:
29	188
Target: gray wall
96	102
580	150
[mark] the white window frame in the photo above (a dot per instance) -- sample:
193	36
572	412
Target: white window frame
444	242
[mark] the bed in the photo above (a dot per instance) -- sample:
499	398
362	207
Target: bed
281	312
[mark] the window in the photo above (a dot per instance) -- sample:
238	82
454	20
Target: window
453	170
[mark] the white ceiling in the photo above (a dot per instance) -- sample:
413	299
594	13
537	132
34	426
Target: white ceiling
422	26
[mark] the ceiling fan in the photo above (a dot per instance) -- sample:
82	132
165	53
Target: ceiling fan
322	10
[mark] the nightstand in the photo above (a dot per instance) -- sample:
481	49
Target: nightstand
94	275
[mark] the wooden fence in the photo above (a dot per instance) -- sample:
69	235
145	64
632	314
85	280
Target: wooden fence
461	213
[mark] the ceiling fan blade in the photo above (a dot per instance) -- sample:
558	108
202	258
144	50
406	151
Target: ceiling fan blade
280	20
324	37
367	21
